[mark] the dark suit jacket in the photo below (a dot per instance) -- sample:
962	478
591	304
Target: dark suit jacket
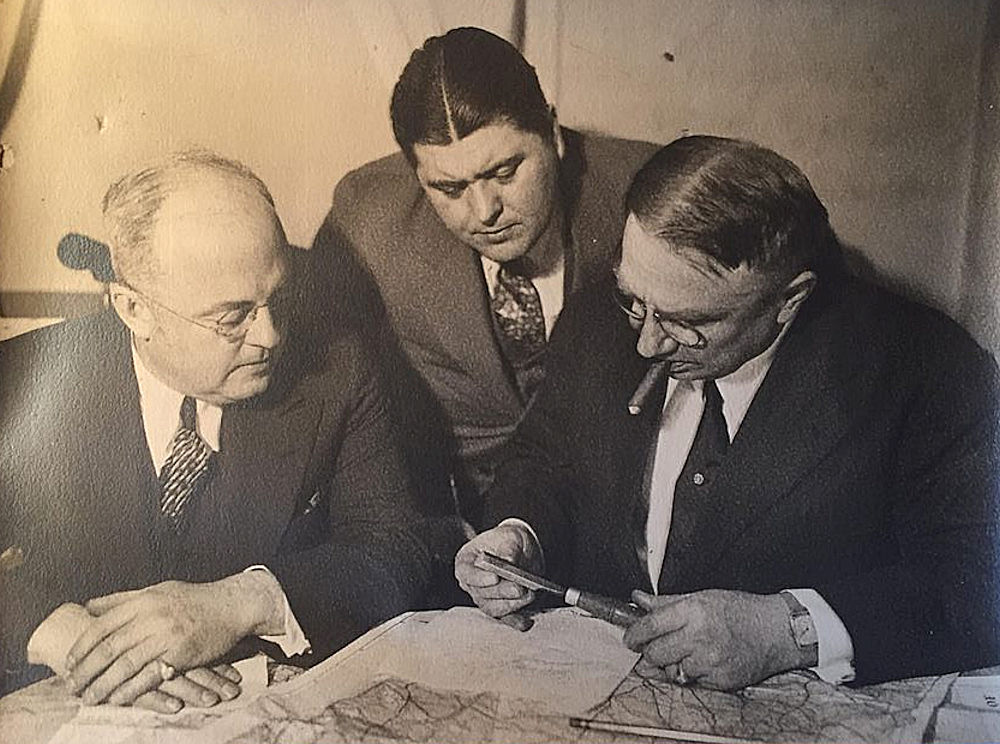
309	483
866	468
391	254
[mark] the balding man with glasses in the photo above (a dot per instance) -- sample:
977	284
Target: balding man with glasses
182	474
784	467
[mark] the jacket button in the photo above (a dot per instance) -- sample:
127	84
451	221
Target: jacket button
698	478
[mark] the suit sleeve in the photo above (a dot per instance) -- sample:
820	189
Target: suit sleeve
537	480
372	564
936	609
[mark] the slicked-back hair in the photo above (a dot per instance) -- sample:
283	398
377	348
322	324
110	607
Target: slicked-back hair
462	81
131	206
735	203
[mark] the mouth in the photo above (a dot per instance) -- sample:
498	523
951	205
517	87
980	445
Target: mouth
258	365
496	232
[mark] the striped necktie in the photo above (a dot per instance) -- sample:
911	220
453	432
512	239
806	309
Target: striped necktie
186	463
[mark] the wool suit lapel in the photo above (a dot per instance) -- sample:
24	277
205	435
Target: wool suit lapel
800	412
452	275
125	490
266	446
631	453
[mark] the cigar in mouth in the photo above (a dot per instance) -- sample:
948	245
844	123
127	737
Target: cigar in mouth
656	372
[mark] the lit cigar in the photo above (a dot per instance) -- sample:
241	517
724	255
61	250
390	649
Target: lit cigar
656	373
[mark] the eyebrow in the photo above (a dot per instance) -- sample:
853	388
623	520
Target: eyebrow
227	306
516	159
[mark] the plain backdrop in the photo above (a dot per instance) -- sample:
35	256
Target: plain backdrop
889	107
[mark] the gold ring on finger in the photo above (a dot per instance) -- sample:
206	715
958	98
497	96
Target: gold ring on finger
166	671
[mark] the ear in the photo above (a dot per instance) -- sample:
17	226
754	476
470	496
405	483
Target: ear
796	292
133	310
557	138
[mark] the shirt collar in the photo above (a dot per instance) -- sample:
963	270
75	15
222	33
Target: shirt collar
161	413
739	387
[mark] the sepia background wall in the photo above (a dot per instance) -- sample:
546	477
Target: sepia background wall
891	108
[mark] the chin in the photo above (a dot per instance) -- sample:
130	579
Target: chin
249	388
501	252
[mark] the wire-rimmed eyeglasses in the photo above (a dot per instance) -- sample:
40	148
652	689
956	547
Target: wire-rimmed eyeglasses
637	310
233	326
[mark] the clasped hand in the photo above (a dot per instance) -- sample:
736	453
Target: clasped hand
715	638
187	626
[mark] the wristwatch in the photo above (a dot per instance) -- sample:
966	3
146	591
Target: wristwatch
803	629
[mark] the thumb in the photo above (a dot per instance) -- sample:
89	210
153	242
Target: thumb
643	599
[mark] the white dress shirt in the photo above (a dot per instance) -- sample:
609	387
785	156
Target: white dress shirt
682	411
161	417
548	283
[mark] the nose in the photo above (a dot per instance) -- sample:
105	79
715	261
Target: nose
653	341
486	203
263	332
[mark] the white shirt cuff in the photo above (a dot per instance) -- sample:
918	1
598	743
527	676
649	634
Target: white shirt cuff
293	641
836	650
521	523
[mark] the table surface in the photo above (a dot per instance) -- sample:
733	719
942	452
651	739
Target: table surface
37	713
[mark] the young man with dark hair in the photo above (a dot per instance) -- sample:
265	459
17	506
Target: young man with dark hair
811	482
465	244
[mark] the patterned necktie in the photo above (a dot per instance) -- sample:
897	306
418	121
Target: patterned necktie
518	311
187	461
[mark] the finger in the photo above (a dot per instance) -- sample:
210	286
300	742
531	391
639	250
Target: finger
648	670
666	652
213	681
100	605
517	621
502	590
469	575
191	692
158	701
94	634
148	678
644	600
649	601
129	663
662	619
501	607
229	672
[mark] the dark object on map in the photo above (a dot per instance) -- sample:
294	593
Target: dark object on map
611	610
652	732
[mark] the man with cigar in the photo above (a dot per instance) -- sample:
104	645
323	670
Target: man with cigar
185	471
810	482
465	243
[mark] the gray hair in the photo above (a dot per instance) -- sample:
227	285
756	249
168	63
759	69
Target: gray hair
131	206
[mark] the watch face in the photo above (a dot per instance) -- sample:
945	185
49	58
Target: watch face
804	630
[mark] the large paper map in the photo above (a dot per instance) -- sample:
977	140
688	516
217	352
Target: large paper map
459	677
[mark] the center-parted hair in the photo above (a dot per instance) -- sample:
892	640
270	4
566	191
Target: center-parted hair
736	203
131	206
459	82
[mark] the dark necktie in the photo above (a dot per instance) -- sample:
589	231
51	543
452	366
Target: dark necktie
186	463
694	506
518	312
